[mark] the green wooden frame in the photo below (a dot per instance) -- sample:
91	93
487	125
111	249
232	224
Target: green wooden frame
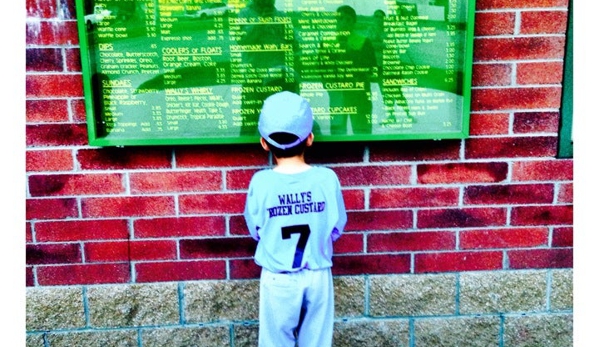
566	143
438	100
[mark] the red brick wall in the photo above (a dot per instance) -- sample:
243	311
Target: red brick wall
498	200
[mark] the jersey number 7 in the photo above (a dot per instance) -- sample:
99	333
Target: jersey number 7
304	231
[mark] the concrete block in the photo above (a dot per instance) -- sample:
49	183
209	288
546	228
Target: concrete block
412	295
542	330
133	305
215	301
50	308
499	292
350	296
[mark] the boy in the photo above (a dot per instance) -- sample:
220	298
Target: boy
295	211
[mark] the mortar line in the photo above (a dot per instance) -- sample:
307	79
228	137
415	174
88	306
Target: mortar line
548	291
181	300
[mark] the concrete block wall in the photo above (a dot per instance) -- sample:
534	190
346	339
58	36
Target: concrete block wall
490	308
455	242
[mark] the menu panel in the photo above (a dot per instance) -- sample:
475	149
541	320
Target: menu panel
197	71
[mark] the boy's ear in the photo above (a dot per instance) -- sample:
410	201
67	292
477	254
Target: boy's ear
310	140
264	145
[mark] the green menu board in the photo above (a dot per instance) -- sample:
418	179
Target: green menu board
162	72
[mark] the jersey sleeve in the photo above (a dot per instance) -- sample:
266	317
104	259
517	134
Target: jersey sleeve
342	219
251	212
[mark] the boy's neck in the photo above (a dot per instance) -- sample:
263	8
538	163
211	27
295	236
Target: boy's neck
291	165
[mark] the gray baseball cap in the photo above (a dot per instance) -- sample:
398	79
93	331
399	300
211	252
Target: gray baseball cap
285	112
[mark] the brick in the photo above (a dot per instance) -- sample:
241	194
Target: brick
508	4
349	243
177	181
127	206
41	8
46	111
176	227
462	173
504	238
536	122
353	199
461	218
73	59
511	147
565	193
415	151
78	110
238	179
379	220
237	225
220	156
71	184
335	152
541	258
179	271
414	197
44	135
512	194
516	98
67	9
52	253
244	269
81	230
490	124
128	158
494	23
116	251
519	48
370	264
373	175
53	85
458	261
212	203
83	274
491	75
543	22
49	160
539	73
542	215
410	241
44	59
225	247
29	277
562	237
28	232
543	170
51	208
51	33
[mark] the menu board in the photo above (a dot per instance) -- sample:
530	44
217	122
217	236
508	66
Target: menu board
162	72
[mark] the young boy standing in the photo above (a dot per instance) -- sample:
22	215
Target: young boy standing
295	211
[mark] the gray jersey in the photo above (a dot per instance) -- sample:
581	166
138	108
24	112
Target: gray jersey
295	218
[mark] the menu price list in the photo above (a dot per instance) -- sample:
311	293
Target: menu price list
159	69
